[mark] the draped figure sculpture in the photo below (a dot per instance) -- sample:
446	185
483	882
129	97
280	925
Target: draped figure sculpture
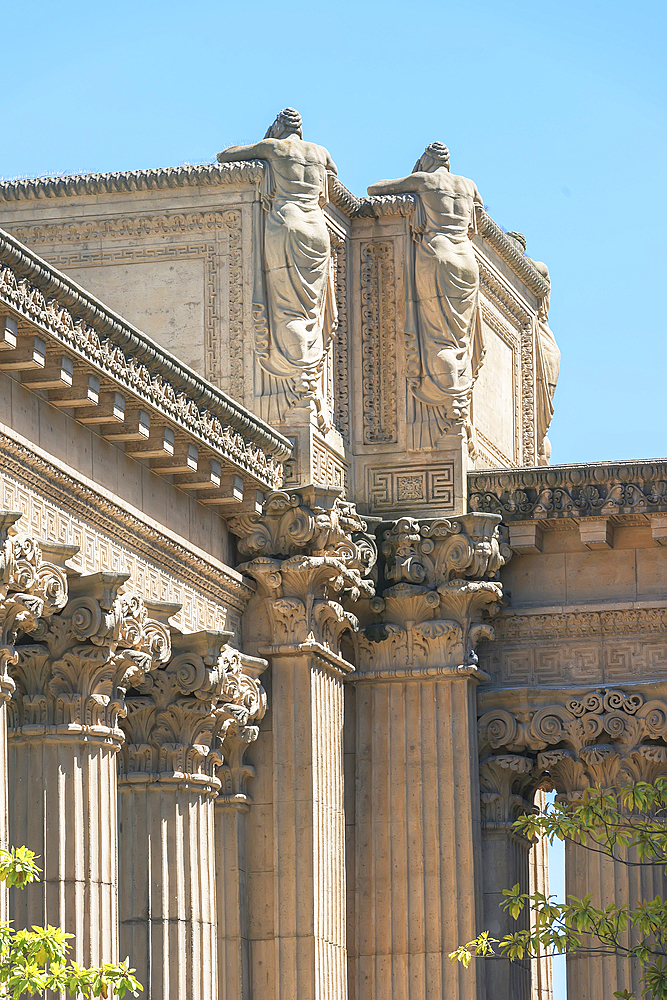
547	364
444	345
294	306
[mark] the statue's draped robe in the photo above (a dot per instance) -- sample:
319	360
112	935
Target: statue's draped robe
547	366
443	327
294	304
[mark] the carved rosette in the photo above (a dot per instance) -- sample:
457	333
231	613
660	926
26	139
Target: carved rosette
308	551
443	582
190	720
605	738
73	667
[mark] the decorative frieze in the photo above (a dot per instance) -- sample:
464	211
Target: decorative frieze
378	342
571	491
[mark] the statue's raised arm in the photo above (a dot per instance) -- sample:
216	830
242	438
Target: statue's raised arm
294	307
443	329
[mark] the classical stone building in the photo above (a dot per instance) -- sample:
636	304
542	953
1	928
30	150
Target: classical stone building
297	619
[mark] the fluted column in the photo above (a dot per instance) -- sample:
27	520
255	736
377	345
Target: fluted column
596	977
177	718
541	968
418	825
507	784
306	550
63	740
232	805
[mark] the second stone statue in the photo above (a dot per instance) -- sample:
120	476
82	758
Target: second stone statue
444	346
294	307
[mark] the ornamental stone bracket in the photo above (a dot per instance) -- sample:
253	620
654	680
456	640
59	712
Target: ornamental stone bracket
602	738
443	581
191	720
308	550
71	680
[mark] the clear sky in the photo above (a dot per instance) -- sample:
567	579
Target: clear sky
555	109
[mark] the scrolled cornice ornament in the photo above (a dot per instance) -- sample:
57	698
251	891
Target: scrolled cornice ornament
605	737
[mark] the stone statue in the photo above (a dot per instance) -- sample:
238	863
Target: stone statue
547	364
443	328
294	306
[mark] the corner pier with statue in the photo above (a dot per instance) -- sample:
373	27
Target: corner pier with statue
295	610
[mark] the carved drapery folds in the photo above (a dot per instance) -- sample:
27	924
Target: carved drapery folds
430	617
603	738
308	549
192	719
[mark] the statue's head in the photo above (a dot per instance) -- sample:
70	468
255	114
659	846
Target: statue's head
435	155
288	122
520	239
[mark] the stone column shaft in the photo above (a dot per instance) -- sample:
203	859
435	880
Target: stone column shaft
308	827
417	839
167	879
231	900
63	807
596	977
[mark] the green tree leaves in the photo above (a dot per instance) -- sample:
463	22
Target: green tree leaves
628	825
32	961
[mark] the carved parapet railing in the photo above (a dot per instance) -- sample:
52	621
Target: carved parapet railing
571	491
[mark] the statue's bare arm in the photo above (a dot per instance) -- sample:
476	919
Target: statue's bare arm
402	185
256	151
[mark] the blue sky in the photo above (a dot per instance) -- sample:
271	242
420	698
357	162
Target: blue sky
555	109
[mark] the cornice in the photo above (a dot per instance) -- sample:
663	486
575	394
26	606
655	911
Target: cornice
35	472
252	172
160	178
67	312
569	491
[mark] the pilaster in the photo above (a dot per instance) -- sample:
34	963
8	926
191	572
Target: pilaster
63	738
418	824
308	551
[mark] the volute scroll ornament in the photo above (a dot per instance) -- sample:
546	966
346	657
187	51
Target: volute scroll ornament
72	675
605	737
194	715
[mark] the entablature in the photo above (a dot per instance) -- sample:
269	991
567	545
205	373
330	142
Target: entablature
64	342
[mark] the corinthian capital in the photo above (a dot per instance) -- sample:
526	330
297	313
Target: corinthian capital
31	587
74	678
603	738
310	551
507	783
180	716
